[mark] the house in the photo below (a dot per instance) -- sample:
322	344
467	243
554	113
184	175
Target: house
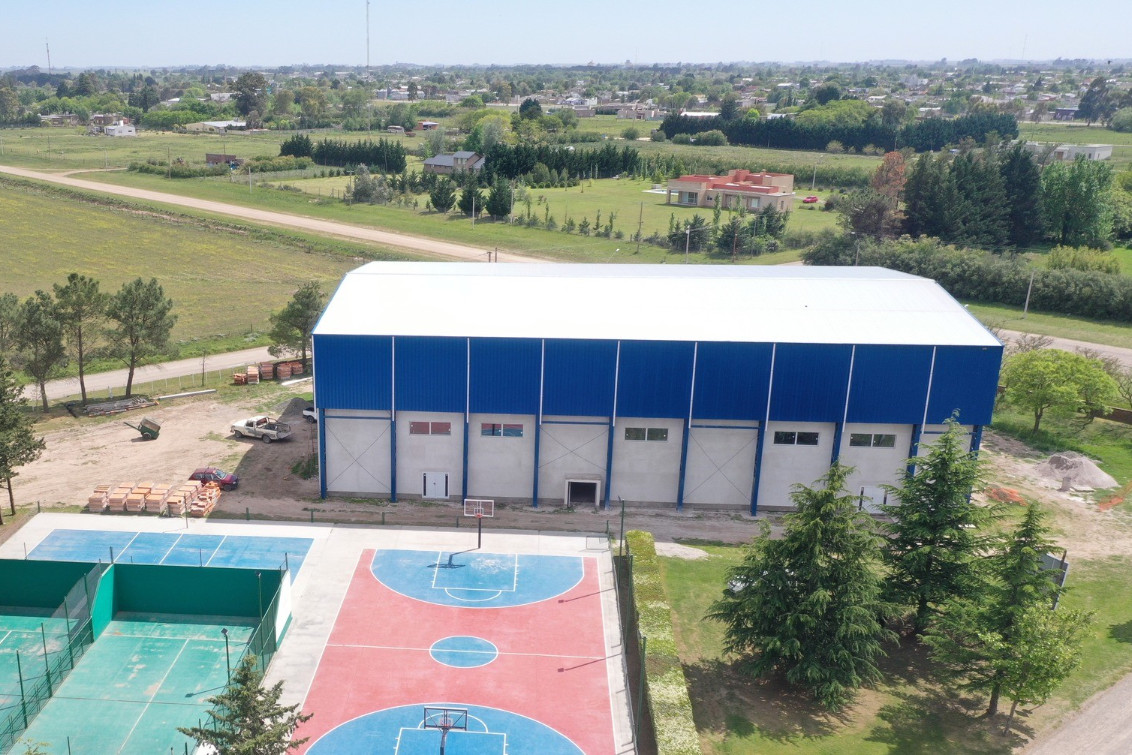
705	386
1065	113
215	127
59	119
121	128
1070	152
428	125
445	164
739	188
221	97
107	119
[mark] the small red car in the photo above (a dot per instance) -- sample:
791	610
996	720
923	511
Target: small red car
212	474
810	200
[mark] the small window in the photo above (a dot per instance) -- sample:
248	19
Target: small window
860	439
657	433
418	428
807	439
512	431
635	433
488	428
441	428
884	441
501	431
785	438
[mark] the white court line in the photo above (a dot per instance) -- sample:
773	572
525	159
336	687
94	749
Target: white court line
426	650
184	644
118	555
172	548
437	568
218	547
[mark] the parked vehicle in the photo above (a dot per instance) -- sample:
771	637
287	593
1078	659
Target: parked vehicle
225	480
310	414
148	428
263	427
810	200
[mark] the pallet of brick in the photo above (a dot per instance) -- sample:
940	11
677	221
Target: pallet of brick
267	370
174	505
283	370
205	500
96	501
156	497
116	499
296	368
253	374
135	502
239	378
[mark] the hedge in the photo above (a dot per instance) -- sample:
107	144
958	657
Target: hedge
667	689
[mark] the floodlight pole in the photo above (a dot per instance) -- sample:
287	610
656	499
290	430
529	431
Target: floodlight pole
227	655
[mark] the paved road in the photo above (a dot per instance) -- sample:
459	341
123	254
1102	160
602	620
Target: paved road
1122	354
100	382
417	244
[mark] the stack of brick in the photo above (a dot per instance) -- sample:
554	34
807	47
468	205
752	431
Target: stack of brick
205	500
155	498
253	374
239	378
267	370
116	500
98	500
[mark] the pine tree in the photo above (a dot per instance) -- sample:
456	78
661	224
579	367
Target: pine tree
499	199
979	638
247	718
18	444
443	195
291	327
1023	184
934	542
39	339
143	322
82	309
471	200
807	605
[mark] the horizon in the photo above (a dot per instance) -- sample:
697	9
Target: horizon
259	34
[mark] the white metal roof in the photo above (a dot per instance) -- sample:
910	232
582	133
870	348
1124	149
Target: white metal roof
785	304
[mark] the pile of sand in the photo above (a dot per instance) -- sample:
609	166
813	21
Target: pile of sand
1074	471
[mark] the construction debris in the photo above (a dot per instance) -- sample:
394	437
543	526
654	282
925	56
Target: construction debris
1074	471
117	407
253	373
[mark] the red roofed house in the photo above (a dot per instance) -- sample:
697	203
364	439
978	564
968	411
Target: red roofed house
739	188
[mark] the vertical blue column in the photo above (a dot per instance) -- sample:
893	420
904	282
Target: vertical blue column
976	439
321	453
758	467
534	484
914	448
393	456
464	474
834	455
609	463
683	466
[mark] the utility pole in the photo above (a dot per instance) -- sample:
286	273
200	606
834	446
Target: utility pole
473	211
47	44
640	226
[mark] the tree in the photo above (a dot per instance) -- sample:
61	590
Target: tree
143	322
471	199
929	199
443	195
251	93
1058	382
1077	202
1022	182
934	544
365	188
247	718
39	340
889	178
9	309
284	101
867	213
82	309
1121	120
826	93
808	605
18	444
1097	103
981	207
985	641
729	107
499	198
292	326
530	110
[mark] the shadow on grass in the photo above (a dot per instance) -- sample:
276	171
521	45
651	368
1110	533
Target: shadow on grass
1121	632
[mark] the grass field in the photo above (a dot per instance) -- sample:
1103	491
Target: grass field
1079	133
224	280
1060	326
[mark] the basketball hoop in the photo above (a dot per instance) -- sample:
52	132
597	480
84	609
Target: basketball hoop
446	720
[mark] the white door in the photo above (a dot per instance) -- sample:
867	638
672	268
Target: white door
435	484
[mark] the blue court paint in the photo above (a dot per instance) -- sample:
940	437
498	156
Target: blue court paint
491	731
476	579
193	550
174	549
463	652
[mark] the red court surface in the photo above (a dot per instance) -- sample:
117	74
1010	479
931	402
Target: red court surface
551	665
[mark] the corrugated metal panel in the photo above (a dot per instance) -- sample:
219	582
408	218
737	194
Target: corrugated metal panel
578	380
965	378
354	372
890	384
655	379
732	380
431	374
810	382
505	375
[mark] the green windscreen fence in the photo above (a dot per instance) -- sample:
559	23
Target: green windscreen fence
45	620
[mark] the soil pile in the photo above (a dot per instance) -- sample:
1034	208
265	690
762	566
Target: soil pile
1073	470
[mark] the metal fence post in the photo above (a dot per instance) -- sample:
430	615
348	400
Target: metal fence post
640	691
23	696
46	660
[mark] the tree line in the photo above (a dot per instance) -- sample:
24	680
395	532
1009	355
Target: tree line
819	605
927	135
384	155
78	321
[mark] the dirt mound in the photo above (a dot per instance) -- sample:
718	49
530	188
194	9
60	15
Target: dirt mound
1074	471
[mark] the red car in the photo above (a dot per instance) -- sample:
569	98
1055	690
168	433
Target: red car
810	200
212	474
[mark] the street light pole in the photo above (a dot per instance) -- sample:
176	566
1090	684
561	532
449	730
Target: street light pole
687	243
227	655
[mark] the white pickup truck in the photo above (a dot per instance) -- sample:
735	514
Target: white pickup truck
262	427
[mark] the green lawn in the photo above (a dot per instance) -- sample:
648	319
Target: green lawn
224	279
1079	133
1061	326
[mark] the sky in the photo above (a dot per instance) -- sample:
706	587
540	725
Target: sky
268	33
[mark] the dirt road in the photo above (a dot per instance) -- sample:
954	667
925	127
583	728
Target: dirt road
1099	728
417	244
1066	344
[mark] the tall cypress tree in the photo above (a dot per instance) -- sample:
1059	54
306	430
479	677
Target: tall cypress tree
807	605
1023	184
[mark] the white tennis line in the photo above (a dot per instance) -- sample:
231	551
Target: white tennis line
427	650
185	644
6	636
167	551
172	548
118	555
218	547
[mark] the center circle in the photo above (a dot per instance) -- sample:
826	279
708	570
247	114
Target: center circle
463	652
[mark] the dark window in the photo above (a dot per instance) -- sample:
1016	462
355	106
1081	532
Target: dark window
646	433
807	439
418	428
501	431
783	438
884	441
512	431
860	439
441	428
635	433
657	433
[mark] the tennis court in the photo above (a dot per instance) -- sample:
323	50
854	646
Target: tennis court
30	636
144	677
173	549
509	648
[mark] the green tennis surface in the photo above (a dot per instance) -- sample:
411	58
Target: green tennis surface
142	678
24	633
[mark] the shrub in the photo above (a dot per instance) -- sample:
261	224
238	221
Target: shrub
834	147
714	138
631	134
657	136
665	684
1082	258
1122	120
682	139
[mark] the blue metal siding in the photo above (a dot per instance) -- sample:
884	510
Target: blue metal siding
505	375
655	379
353	372
890	384
431	374
810	382
965	378
578	379
732	380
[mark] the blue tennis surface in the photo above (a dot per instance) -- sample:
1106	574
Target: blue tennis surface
490	731
176	549
473	579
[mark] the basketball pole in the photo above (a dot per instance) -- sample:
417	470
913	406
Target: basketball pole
479	531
